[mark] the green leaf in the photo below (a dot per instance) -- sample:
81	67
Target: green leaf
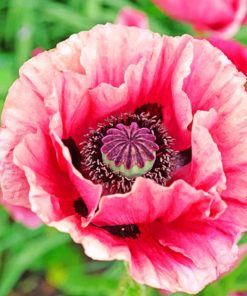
242	35
73	276
4	222
21	260
62	14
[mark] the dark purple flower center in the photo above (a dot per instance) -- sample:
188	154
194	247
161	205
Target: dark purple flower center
129	150
126	146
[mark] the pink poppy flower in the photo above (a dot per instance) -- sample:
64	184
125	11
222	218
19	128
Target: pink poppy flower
221	17
132	17
135	144
234	50
238	293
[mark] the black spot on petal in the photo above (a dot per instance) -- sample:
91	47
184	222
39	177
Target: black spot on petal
184	157
123	231
74	152
80	207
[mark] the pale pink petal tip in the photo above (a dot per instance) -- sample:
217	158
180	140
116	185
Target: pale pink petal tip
23	215
132	17
241	255
234	50
37	51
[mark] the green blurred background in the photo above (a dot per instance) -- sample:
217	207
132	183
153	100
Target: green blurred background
44	262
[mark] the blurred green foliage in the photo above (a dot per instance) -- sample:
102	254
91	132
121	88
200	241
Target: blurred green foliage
30	257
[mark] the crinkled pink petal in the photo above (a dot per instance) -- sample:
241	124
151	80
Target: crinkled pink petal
35	83
166	235
217	85
132	17
69	106
18	119
89	192
16	122
234	50
221	17
241	255
207	171
233	148
176	273
221	88
159	78
39	71
107	100
52	192
147	192
205	253
148	76
238	221
104	56
14	185
49	185
181	112
29	91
